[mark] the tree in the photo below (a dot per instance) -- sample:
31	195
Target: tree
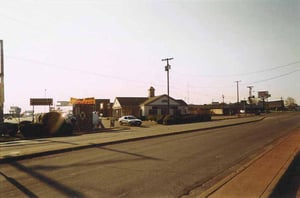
290	103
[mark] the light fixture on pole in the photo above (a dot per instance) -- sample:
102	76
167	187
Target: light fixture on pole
167	69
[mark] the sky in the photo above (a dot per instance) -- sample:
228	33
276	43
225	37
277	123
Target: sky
108	48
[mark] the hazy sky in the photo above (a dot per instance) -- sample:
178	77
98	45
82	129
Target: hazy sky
105	49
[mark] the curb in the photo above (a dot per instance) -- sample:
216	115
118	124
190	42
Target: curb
273	183
75	148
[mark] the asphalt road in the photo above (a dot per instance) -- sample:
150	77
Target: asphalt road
161	167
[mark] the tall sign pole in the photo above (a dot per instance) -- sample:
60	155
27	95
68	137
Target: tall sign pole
1	82
237	91
237	95
167	69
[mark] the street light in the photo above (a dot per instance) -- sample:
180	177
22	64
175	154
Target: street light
167	69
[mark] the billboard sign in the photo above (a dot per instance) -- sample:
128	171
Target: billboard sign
86	101
41	101
63	103
263	94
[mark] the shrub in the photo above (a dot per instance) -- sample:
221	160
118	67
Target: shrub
160	119
183	119
32	130
10	128
170	119
66	129
52	122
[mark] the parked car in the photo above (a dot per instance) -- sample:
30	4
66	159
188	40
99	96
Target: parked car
130	120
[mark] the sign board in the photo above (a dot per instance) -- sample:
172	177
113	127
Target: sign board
263	94
41	101
86	101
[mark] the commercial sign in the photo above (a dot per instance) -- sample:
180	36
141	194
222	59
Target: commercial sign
263	94
41	101
83	101
63	103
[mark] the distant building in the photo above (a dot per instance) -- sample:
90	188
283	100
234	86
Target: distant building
103	107
145	106
158	105
275	105
127	106
15	111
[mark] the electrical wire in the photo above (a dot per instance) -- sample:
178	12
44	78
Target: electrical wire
276	77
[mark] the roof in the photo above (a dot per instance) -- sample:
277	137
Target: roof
129	101
152	99
181	102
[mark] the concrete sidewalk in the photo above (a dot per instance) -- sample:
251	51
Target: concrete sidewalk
22	149
259	177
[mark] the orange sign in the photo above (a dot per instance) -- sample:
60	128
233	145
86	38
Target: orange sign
82	101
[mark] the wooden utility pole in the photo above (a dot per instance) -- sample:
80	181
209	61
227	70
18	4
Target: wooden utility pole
1	82
167	69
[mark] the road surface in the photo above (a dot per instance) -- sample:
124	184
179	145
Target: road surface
161	167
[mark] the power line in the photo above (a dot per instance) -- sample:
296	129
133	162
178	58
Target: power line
81	71
276	77
270	69
74	69
243	74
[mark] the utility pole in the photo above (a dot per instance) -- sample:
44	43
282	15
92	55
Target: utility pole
167	69
238	94
1	82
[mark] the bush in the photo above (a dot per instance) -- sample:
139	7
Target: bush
9	128
160	119
66	129
33	130
52	122
170	119
183	119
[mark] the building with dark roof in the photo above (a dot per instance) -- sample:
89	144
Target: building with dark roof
145	106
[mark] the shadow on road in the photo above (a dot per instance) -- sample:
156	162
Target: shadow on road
50	182
129	153
22	188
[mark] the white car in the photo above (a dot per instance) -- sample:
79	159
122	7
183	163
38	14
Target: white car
130	120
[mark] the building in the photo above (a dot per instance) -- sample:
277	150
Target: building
15	111
274	105
103	107
145	106
127	106
158	105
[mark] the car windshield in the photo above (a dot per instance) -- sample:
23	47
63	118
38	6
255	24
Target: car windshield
131	117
